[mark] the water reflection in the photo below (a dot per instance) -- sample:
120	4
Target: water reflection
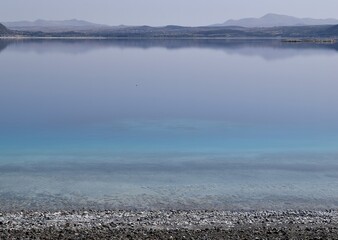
174	123
3	45
267	49
103	82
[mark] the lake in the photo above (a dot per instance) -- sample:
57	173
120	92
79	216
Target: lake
182	124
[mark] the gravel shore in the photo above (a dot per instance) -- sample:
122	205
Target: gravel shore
170	225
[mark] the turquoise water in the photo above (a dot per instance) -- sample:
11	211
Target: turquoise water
168	124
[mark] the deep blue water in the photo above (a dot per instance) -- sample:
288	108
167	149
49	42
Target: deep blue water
156	124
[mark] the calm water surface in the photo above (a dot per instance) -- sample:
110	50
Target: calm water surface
168	124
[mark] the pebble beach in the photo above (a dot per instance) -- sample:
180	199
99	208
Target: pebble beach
194	224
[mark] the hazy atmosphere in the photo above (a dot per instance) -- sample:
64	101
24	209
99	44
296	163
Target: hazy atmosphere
168	119
156	13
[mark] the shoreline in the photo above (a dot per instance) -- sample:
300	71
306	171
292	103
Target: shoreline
170	224
282	39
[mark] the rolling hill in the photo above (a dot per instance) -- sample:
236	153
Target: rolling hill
277	20
54	26
4	31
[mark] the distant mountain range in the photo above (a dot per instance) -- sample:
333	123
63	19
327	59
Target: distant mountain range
54	26
74	25
265	27
276	20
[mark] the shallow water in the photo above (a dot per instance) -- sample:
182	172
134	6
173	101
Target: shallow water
168	124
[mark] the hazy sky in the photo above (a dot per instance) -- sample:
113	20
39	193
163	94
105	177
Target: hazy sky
161	12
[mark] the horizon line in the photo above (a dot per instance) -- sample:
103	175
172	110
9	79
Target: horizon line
151	25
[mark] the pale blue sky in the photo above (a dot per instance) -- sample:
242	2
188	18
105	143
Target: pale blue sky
161	12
